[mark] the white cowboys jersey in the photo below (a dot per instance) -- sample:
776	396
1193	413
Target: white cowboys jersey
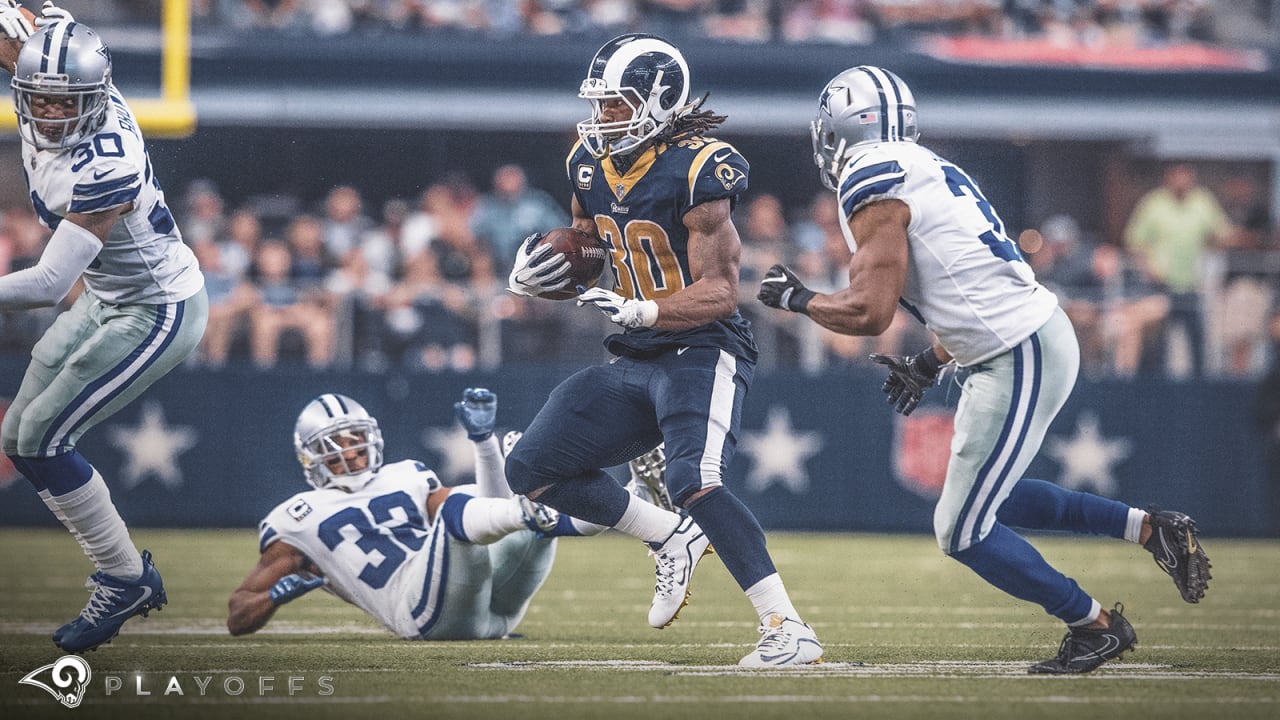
966	281
144	260
374	545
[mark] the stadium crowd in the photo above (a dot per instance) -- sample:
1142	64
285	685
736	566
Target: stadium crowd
1116	23
420	284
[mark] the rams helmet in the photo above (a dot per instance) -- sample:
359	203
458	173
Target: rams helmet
648	74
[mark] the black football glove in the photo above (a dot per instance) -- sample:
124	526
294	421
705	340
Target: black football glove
909	377
781	289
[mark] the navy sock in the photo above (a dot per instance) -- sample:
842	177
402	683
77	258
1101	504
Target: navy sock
596	498
23	466
61	474
735	534
1010	563
1040	505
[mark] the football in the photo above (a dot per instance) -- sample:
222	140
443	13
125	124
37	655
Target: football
586	256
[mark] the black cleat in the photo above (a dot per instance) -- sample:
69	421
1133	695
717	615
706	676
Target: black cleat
1177	551
1085	649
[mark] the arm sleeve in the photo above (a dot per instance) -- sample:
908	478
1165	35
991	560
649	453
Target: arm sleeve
69	253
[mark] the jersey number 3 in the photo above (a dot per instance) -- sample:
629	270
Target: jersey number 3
378	534
995	238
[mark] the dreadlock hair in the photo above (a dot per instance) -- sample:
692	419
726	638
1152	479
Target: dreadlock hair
691	123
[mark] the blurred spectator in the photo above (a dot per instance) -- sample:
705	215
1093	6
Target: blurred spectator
766	241
420	227
344	220
743	20
310	257
672	18
281	307
244	233
1169	233
1248	289
22	240
511	212
429	319
848	22
231	298
1266	418
203	220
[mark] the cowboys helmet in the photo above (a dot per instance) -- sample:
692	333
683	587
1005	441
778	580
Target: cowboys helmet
863	104
63	65
329	428
648	74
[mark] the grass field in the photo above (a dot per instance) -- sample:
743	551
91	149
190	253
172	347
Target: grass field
908	634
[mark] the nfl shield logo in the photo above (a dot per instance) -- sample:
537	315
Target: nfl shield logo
921	450
619	190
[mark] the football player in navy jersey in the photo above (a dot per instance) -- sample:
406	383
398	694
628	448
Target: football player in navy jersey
924	237
650	183
143	309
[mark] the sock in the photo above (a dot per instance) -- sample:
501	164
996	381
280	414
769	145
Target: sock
1006	560
1039	505
1094	611
735	534
595	497
569	526
769	596
491	479
1133	527
481	520
90	513
47	498
646	521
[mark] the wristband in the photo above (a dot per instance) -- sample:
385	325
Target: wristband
928	362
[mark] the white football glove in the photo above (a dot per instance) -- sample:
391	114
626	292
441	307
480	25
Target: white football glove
50	14
627	313
13	23
537	269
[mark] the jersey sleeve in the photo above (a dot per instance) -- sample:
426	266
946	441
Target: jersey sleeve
285	520
872	176
717	171
580	167
103	185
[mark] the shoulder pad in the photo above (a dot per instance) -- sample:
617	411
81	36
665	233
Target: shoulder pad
873	175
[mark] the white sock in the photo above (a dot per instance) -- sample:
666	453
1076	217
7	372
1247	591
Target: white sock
1094	611
587	528
646	521
47	498
90	514
768	596
491	475
1133	525
487	520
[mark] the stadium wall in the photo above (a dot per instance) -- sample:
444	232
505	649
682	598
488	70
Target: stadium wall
214	449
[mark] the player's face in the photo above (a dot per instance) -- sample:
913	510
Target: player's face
615	110
54	107
354	455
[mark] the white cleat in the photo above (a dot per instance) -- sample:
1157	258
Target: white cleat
676	559
784	641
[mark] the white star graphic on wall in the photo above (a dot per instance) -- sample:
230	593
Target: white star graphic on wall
1087	457
457	454
779	453
152	448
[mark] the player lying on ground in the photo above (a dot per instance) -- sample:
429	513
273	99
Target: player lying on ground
427	561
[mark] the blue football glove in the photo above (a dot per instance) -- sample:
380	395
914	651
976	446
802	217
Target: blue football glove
477	411
291	587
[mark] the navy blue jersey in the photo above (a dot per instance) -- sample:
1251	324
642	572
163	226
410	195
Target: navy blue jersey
640	217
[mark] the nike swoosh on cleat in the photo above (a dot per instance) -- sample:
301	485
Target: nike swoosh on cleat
145	597
1113	643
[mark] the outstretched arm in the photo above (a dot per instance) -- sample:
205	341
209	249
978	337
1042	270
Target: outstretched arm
252	604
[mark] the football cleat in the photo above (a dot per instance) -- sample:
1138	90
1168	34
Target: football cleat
509	441
676	559
784	641
649	478
1176	547
111	603
1085	649
539	518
